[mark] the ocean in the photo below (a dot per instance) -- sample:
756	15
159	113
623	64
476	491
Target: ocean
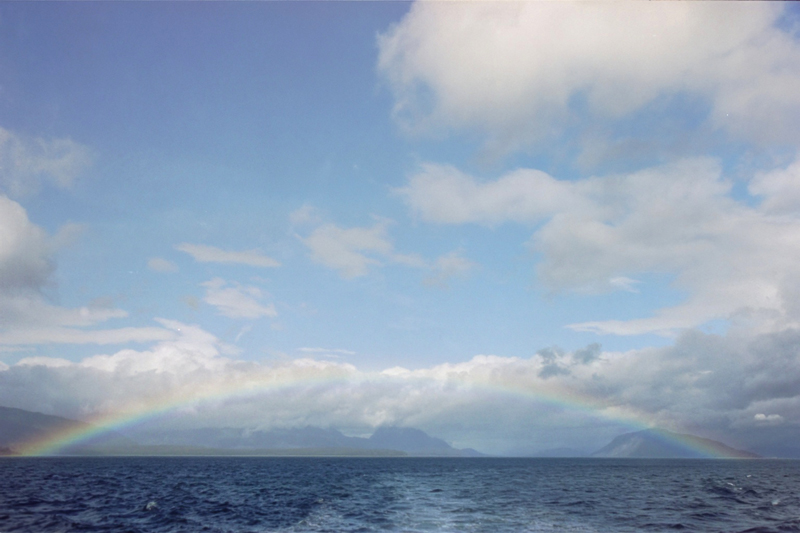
312	494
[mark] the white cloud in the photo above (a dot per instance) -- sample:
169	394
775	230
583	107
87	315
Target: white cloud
625	284
159	264
187	349
518	71
352	251
50	362
761	417
61	335
449	266
210	254
327	353
30	309
679	219
306	214
25	249
237	301
338	351
26	163
26	265
779	189
442	193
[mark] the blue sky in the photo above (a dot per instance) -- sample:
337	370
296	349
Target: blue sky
357	187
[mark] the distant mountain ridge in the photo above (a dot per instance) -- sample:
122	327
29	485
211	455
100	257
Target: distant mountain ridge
656	444
19	427
408	440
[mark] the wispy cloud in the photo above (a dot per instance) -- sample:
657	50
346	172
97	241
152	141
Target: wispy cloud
237	301
323	352
60	335
624	283
209	254
25	163
448	266
159	264
352	251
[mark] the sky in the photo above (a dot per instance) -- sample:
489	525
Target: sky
516	226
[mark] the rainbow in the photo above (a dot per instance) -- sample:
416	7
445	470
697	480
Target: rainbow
166	404
155	407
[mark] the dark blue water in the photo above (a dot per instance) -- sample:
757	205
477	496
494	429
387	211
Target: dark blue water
248	494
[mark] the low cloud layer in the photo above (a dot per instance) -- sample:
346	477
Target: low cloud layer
722	387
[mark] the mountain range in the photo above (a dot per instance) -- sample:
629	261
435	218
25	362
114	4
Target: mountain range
409	441
652	443
18	427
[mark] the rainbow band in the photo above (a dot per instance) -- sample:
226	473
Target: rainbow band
55	442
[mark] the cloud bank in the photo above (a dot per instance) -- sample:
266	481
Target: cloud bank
704	383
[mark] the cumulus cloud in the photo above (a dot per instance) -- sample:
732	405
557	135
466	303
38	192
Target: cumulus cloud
210	254
352	251
237	301
442	193
27	162
719	387
25	250
779	189
26	317
518	72
774	419
681	219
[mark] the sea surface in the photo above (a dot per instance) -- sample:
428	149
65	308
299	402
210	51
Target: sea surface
255	494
